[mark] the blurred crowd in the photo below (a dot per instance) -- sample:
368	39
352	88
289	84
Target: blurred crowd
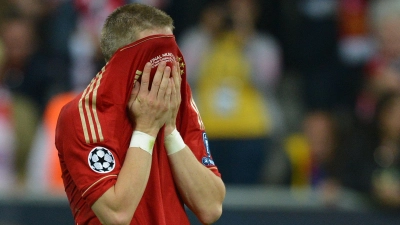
297	93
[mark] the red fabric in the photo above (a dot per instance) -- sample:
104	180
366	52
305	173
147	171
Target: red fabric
101	111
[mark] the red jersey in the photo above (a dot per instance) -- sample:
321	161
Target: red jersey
94	131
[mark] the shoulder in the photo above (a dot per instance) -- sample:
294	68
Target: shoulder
66	109
65	105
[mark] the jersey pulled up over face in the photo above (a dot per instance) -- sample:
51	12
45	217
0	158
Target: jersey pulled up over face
94	131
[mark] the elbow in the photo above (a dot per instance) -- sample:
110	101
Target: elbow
117	219
210	214
112	210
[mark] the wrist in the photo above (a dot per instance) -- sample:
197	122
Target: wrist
143	141
150	131
174	142
169	129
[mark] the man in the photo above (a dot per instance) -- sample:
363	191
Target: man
122	155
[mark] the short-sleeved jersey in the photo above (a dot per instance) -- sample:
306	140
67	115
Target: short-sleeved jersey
94	130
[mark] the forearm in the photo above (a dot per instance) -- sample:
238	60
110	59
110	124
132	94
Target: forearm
202	191
118	204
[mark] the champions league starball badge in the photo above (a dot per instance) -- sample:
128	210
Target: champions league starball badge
101	160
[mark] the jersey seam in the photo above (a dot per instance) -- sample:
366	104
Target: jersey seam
140	42
97	183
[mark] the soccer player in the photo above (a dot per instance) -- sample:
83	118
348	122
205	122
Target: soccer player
132	146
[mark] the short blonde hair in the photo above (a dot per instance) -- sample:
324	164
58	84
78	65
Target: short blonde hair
123	26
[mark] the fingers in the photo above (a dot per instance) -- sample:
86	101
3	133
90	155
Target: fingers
144	84
176	80
157	79
135	91
176	76
160	87
169	90
173	87
165	84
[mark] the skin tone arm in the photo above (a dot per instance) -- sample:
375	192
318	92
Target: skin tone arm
202	191
118	204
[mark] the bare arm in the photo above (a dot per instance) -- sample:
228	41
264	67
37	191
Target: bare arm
202	191
118	204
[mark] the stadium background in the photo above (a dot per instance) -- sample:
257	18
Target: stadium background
325	46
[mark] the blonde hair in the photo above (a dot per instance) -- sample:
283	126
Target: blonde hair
123	26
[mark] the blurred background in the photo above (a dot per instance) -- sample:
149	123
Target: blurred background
300	99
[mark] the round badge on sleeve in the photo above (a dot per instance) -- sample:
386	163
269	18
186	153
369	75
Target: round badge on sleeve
101	160
207	160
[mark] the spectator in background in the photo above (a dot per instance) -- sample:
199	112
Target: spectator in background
23	84
310	158
373	156
197	41
234	71
24	70
329	76
46	59
383	70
